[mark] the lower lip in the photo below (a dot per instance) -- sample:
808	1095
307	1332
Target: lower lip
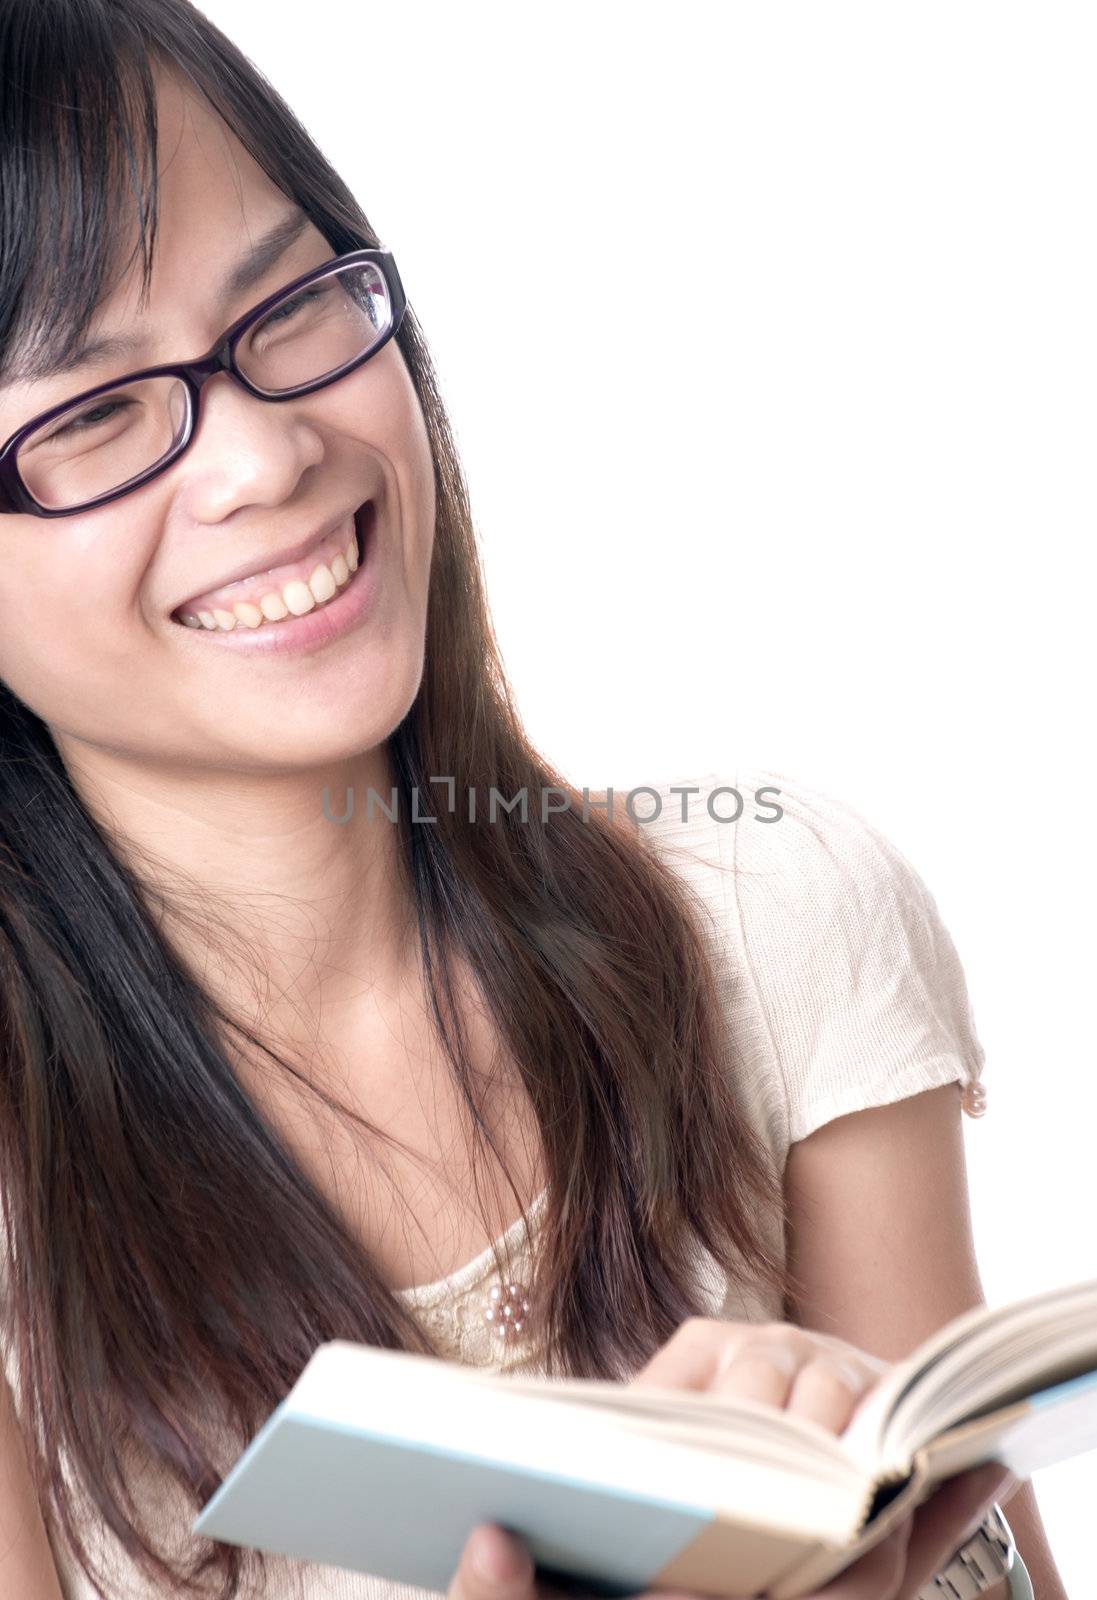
319	627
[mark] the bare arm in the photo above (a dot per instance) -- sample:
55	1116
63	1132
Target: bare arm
26	1562
880	1239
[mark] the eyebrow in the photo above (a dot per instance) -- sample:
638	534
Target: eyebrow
248	271
252	268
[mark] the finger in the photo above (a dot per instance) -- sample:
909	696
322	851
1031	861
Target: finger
701	1352
497	1565
842	1347
758	1371
822	1383
947	1520
691	1356
494	1565
828	1389
816	1376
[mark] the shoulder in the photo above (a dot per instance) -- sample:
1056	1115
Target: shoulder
780	843
851	992
817	855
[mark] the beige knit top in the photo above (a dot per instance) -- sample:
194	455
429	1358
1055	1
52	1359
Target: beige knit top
841	989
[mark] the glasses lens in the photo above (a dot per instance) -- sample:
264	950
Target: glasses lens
317	331
101	444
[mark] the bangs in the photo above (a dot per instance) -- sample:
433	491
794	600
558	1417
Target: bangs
78	157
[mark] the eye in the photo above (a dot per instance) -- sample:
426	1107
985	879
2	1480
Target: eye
95	415
290	307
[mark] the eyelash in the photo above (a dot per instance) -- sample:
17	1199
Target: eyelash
295	304
281	313
76	424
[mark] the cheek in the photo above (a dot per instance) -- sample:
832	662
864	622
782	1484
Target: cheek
419	441
416	458
40	603
388	417
68	596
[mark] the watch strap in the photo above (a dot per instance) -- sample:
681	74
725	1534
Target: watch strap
1020	1584
979	1563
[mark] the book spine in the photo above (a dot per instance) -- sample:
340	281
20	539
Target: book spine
826	1562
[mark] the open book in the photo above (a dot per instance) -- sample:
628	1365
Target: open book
383	1461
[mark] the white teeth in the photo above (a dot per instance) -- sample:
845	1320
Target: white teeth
322	584
299	597
295	598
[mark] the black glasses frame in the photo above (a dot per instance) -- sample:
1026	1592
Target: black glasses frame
14	495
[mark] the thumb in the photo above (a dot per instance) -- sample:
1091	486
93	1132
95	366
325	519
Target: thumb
496	1563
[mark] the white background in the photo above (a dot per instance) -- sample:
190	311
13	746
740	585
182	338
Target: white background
768	337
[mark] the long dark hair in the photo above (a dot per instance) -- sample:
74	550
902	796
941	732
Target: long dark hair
140	1296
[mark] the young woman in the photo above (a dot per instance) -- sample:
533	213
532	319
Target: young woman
671	1101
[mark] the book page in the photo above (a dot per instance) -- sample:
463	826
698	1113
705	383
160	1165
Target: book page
903	1408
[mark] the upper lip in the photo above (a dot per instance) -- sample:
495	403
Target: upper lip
268	560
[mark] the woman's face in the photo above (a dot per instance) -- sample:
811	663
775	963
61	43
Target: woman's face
90	636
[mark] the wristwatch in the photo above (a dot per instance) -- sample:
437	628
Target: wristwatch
979	1563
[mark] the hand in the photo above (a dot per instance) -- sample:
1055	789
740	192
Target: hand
825	1379
900	1566
508	1573
813	1375
897	1568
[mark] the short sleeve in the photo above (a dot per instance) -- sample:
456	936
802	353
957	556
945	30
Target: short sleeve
858	990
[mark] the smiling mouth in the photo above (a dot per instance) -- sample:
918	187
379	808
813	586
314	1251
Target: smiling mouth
268	599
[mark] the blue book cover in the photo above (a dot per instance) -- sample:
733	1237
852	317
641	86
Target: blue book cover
383	1461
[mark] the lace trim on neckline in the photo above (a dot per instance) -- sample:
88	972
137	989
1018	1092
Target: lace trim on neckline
480	1267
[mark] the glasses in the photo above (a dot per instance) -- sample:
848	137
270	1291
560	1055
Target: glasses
110	440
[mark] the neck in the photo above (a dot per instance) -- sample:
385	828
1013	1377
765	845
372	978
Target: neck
269	902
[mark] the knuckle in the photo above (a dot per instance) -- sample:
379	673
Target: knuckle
839	1377
843	1348
779	1357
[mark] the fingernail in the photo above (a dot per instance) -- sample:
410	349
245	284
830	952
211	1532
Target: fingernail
779	1356
853	1377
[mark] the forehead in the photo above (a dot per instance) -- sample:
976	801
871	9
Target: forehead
213	198
213	203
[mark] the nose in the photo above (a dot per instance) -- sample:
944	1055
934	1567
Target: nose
245	451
